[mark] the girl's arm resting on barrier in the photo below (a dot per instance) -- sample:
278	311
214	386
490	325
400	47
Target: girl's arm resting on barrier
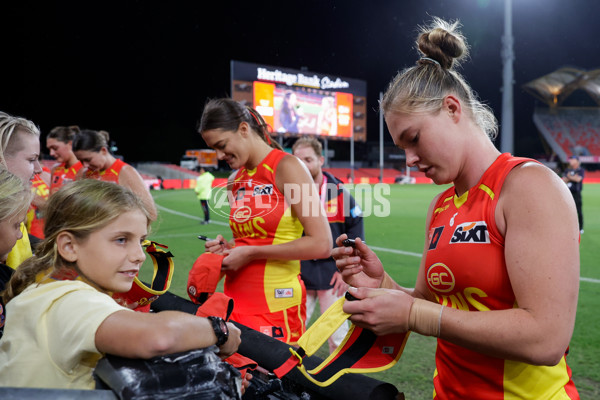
146	335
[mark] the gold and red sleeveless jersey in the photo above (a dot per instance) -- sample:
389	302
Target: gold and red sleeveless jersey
260	216
62	175
35	221
110	174
466	270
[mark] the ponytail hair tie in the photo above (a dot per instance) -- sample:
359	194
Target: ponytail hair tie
260	125
431	60
267	137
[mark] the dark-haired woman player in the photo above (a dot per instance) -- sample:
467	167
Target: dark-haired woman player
273	201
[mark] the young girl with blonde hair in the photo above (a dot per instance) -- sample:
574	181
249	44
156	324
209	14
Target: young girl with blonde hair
14	202
61	316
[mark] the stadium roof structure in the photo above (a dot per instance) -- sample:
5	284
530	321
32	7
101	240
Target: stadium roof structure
556	86
591	85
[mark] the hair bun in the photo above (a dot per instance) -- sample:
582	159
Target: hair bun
442	42
105	134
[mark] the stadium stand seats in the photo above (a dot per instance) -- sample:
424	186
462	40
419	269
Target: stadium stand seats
570	131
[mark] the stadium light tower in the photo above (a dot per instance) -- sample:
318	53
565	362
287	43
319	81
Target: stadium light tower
507	133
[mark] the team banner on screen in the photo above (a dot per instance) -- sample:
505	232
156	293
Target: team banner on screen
300	102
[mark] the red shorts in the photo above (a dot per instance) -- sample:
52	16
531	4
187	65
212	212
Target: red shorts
286	325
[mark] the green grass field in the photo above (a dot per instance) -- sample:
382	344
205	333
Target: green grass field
398	240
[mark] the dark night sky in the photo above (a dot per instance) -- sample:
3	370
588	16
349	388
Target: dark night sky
142	70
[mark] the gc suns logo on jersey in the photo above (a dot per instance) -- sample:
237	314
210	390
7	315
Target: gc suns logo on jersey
471	232
440	278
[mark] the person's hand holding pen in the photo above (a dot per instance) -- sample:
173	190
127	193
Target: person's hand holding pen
217	246
236	257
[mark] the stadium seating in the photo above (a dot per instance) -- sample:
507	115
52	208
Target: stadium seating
570	131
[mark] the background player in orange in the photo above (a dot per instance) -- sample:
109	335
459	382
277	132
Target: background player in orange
60	141
273	200
91	148
499	276
35	216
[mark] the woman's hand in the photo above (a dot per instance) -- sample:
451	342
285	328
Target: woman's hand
359	266
218	245
339	286
237	257
382	311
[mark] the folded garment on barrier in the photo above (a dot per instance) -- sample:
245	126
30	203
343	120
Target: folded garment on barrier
197	374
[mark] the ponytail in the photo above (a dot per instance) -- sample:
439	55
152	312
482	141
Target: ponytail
262	127
227	114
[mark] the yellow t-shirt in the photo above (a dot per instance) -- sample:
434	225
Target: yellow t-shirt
204	186
49	336
21	251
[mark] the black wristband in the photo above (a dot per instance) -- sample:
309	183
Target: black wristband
220	328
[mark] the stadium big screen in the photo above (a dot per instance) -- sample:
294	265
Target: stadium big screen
296	102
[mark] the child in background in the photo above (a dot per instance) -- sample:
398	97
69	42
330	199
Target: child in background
14	202
62	318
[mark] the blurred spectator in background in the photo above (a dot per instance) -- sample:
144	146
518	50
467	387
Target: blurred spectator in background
573	177
203	189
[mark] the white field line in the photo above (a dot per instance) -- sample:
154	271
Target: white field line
405	253
188	215
592	280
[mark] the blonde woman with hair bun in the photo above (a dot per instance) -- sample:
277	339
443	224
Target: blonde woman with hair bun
499	277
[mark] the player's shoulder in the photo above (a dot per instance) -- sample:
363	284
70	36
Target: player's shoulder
290	163
532	180
531	172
